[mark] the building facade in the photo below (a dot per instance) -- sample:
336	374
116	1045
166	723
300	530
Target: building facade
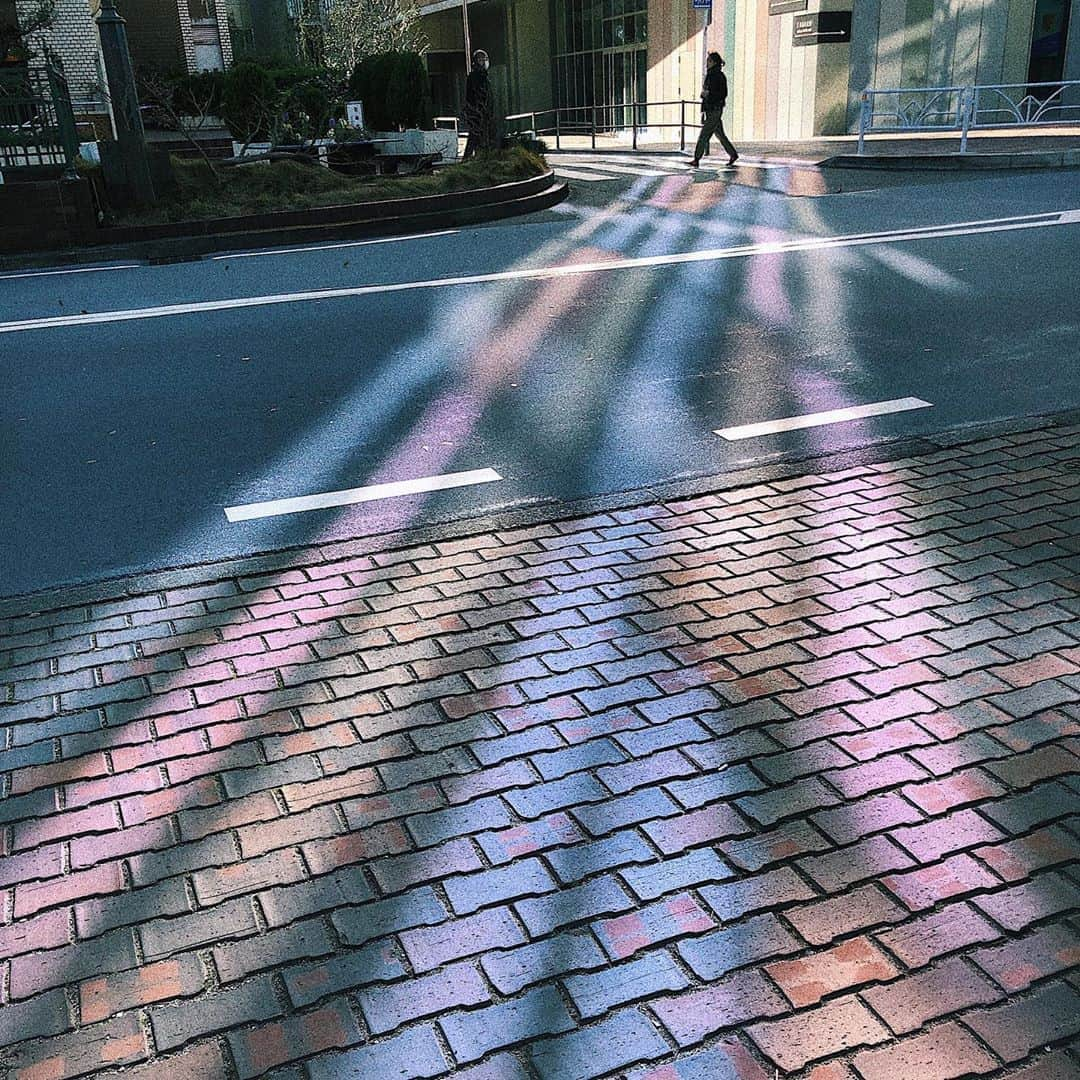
178	35
796	68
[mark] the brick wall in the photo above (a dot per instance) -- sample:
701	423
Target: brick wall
73	38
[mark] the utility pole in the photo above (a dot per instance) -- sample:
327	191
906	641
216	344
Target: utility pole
130	137
468	46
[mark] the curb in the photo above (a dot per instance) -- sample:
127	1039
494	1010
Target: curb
1040	159
116	588
163	243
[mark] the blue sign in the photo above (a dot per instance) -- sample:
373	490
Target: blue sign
702	3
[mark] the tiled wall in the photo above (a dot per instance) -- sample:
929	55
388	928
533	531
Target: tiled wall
780	91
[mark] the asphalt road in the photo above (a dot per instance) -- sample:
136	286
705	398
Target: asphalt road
619	333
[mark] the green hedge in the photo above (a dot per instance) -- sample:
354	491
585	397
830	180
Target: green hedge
393	87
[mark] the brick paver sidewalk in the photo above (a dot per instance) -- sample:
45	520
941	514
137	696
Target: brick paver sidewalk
776	781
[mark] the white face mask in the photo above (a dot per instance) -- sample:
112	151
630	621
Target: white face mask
484	65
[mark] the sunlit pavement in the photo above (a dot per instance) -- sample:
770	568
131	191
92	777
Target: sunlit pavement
579	354
780	780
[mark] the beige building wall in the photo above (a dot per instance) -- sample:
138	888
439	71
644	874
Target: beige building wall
779	90
675	57
783	91
529	54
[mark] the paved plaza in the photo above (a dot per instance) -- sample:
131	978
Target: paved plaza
779	780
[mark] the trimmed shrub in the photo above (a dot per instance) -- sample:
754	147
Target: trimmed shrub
394	89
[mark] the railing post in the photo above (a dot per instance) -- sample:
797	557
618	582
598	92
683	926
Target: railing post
682	125
966	98
864	118
558	144
65	119
633	125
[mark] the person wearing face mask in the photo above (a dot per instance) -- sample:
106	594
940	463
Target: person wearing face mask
479	107
713	99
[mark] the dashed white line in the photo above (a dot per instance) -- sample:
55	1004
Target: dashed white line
832	416
276	507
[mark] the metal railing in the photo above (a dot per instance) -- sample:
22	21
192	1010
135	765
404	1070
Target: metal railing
37	125
632	121
964	109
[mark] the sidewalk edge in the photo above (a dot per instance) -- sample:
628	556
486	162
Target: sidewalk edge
120	587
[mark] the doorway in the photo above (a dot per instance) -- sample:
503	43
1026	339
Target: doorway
1048	38
625	74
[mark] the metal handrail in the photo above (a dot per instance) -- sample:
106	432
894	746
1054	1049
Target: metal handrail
592	120
1024	108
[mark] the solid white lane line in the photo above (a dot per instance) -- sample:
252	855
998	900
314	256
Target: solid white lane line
73	270
276	507
592	178
833	416
540	273
333	247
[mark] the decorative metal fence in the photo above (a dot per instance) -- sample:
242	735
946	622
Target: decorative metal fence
37	124
963	109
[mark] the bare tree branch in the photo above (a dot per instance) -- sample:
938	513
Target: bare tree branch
359	28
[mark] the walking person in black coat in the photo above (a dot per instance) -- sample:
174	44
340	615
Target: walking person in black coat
480	107
713	99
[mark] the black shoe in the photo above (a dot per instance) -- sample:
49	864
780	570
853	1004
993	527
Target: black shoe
695	164
731	160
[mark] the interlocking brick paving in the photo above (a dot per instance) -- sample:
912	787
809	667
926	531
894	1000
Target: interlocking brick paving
776	781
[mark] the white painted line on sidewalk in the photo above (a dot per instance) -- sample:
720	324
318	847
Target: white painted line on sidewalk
333	247
542	273
649	164
833	416
592	178
629	170
276	507
74	270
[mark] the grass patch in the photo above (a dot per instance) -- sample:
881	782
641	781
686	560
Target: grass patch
263	187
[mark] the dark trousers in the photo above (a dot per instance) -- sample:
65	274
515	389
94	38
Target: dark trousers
713	125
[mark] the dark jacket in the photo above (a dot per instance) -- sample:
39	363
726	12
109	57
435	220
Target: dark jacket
714	90
478	100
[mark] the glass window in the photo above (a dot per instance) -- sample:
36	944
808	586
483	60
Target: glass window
600	58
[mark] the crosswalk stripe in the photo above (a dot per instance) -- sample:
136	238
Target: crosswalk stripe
573	174
630	170
652	161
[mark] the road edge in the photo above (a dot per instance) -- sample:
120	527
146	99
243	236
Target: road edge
125	586
394	217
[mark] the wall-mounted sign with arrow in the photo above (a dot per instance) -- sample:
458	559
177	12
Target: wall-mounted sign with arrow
822	28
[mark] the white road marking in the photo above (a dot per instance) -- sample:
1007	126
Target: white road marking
332	247
541	273
652	162
73	270
833	416
592	178
276	507
611	166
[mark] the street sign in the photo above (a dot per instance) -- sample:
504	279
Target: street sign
782	7
823	28
703	4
